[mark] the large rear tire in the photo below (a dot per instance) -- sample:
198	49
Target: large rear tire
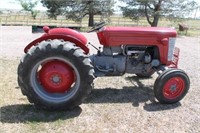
171	86
55	75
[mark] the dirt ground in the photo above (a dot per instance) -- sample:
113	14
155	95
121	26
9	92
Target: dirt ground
116	105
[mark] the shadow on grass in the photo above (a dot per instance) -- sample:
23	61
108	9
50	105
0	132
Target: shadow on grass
23	113
136	94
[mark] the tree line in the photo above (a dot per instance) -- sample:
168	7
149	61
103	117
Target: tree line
76	10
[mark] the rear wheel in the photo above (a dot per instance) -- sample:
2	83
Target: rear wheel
55	75
171	86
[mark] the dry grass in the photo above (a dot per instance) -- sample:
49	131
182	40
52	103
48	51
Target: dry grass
117	104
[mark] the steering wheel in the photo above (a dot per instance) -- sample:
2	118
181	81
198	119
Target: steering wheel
97	26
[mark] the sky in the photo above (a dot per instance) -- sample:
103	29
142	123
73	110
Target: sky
12	4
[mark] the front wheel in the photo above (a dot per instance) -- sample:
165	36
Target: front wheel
55	75
171	86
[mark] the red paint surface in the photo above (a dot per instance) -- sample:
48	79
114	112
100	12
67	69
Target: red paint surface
148	36
59	70
46	29
114	36
173	94
62	33
69	32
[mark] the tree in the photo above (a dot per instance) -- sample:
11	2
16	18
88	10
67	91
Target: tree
154	9
29	5
54	7
78	9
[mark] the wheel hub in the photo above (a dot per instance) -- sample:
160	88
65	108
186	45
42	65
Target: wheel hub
173	88
56	77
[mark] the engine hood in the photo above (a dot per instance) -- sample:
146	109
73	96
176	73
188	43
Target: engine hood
114	36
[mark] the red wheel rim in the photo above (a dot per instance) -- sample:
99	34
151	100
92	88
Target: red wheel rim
56	77
173	88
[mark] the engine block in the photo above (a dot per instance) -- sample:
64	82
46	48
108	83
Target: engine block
119	60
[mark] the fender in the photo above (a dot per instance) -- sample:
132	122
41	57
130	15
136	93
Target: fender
61	33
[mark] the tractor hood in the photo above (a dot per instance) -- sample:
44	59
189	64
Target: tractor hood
114	36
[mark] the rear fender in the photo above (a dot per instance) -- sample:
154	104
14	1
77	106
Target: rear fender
67	35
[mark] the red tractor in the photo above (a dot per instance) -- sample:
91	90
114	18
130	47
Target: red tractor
57	71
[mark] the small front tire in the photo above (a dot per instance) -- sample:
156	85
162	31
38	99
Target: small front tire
171	86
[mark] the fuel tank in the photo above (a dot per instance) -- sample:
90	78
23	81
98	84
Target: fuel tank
115	36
